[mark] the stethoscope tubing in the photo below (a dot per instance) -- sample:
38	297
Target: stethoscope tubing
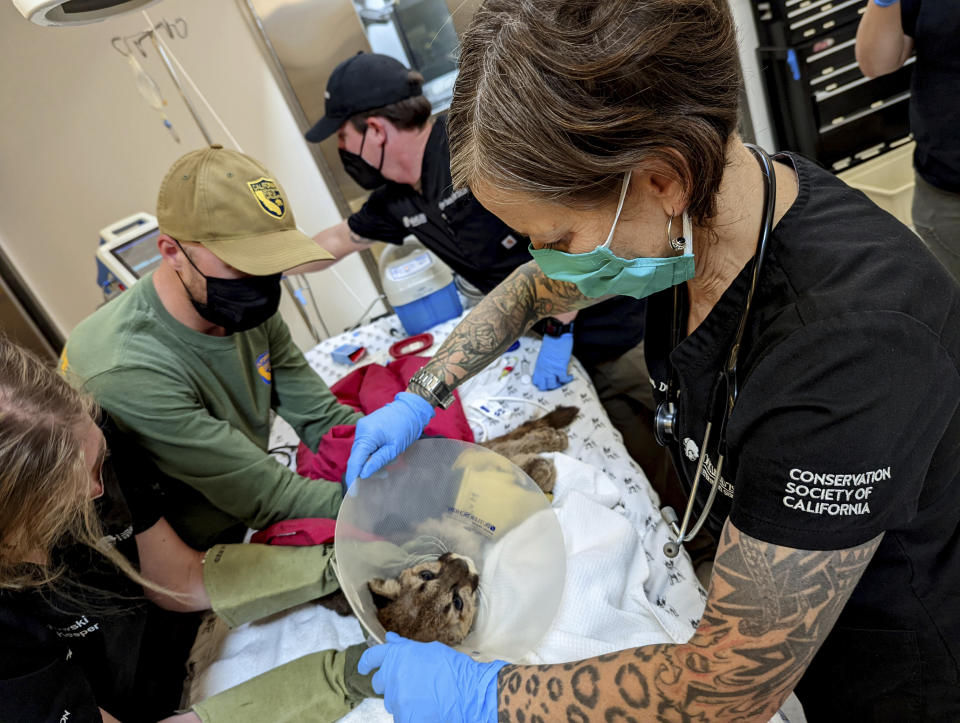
728	373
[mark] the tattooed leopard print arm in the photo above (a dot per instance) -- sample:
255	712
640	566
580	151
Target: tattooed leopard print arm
523	298
768	611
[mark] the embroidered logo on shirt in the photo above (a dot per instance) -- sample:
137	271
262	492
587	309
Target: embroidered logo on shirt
709	473
81	628
267	193
833	494
263	367
508	241
112	540
459	193
414	221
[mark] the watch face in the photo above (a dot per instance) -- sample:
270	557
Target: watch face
435	387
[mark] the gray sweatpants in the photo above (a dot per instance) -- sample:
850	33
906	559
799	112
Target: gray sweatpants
936	217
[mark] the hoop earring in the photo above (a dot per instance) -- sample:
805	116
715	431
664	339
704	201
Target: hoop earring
678	243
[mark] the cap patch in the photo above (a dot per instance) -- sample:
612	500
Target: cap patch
267	193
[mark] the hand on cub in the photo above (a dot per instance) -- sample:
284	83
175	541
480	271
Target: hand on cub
430	682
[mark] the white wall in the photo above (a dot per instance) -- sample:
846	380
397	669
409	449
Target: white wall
757	106
80	149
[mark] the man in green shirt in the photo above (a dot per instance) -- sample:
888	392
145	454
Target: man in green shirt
192	359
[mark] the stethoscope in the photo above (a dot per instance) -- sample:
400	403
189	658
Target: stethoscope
666	414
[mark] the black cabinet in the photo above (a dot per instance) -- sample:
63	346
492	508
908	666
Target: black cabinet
821	104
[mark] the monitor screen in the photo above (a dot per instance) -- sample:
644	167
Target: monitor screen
140	255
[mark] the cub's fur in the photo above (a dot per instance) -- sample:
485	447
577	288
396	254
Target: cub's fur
434	600
522	445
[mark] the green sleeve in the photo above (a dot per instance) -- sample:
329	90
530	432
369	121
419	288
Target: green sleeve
233	473
301	396
249	582
317	688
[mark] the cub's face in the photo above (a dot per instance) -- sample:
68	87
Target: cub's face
431	601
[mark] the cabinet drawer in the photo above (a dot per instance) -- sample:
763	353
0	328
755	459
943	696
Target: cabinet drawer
863	130
825	65
819	18
859	93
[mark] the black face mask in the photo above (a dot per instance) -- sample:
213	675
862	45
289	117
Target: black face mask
359	170
237	304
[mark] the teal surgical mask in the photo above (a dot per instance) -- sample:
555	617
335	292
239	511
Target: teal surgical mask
602	273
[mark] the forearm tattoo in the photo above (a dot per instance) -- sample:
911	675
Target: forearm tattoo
768	611
360	239
525	297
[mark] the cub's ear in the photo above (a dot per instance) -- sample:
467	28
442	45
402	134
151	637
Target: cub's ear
383	591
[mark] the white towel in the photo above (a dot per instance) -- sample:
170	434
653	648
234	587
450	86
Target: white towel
605	605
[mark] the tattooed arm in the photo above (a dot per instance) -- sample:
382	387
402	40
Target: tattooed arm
339	240
522	299
768	611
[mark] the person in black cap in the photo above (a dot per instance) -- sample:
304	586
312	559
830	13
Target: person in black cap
389	144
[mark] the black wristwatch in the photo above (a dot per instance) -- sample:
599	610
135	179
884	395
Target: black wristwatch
555	327
432	388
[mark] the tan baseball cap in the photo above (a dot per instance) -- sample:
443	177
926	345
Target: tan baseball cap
231	204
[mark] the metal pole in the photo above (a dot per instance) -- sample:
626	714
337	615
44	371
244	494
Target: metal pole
303	312
176	81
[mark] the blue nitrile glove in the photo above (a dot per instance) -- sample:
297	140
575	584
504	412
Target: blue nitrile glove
885	3
430	682
550	371
385	433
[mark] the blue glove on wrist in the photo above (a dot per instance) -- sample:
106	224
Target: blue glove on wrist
385	433
430	682
885	3
550	371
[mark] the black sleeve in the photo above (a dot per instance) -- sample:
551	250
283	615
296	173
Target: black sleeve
835	429
38	681
376	222
909	9
137	477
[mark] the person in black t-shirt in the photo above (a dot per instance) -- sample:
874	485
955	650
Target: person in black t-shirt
889	32
815	374
389	144
99	597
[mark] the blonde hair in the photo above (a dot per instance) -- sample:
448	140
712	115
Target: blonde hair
556	99
45	486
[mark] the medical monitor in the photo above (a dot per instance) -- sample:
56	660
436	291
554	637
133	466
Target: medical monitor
129	248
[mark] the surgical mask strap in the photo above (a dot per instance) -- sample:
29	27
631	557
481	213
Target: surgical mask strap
616	218
191	263
383	149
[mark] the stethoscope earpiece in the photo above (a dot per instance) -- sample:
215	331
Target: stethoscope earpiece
672	548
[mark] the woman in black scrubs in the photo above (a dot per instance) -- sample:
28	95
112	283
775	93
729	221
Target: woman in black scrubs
98	595
808	342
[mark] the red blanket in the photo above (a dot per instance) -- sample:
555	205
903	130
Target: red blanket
367	389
